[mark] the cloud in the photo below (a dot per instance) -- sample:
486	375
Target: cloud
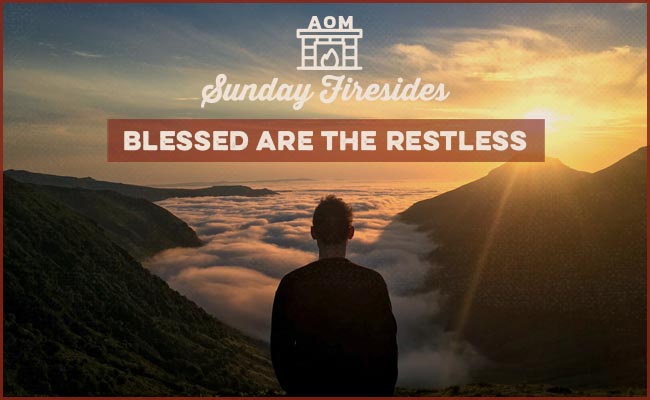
562	67
242	291
48	45
418	55
251	243
584	21
633	6
513	53
518	54
87	55
426	364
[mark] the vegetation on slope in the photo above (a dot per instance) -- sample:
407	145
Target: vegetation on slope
140	227
542	268
82	317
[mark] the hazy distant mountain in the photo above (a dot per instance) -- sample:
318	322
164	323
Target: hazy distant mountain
139	226
82	317
543	269
200	184
149	193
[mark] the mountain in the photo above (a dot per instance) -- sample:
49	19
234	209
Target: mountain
82	317
543	269
139	226
194	184
144	192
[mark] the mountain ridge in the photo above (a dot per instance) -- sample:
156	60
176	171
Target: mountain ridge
145	192
531	257
139	226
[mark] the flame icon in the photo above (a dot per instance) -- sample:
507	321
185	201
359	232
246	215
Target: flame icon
324	60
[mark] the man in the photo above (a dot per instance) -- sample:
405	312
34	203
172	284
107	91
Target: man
333	330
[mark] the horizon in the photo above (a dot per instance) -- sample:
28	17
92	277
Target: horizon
217	181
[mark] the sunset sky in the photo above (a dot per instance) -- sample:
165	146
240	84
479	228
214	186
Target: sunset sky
70	67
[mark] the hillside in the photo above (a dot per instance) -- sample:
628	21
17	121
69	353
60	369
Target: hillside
82	317
144	192
543	269
517	390
140	227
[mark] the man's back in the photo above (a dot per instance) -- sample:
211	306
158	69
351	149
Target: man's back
334	332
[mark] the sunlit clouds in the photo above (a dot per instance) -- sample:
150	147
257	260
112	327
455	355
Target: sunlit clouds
251	243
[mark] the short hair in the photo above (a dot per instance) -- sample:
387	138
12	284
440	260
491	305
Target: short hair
332	220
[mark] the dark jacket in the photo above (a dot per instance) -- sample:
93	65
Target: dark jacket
333	331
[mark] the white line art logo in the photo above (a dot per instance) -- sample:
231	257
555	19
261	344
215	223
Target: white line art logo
332	46
328	44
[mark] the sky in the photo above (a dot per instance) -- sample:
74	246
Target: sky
70	67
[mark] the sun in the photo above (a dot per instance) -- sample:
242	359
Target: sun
550	117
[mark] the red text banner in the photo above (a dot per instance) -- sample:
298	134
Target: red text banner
325	140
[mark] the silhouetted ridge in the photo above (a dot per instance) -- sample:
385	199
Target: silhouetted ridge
148	193
629	170
543	270
549	167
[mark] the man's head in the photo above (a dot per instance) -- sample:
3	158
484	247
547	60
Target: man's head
332	223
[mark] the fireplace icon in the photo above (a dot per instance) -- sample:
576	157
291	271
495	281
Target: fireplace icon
329	49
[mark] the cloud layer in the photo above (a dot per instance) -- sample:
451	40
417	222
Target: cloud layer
250	243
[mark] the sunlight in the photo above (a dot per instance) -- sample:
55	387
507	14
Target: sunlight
549	116
482	259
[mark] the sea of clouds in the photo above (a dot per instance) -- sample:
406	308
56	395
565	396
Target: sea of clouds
251	243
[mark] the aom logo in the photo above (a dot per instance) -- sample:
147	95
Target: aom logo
332	46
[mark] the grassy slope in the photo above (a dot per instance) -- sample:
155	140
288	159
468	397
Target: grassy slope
82	317
543	269
137	225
